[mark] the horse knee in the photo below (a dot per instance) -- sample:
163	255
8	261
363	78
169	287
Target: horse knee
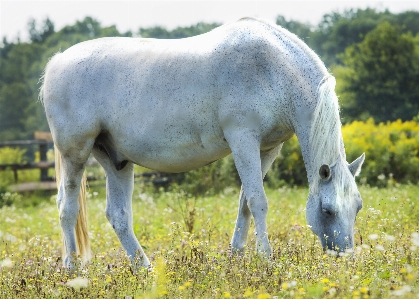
257	205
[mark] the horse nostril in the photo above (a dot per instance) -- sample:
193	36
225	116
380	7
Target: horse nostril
327	212
328	209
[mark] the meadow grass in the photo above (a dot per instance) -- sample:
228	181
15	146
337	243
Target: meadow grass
187	239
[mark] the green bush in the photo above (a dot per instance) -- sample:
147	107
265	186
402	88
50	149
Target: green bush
392	150
392	156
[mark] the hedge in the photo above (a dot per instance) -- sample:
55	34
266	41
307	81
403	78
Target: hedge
391	149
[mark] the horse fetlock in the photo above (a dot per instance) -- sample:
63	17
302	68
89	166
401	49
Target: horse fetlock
69	262
140	261
237	244
263	247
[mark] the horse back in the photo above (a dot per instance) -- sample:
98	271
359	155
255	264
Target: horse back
162	95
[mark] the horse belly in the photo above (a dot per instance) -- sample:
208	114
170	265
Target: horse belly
168	155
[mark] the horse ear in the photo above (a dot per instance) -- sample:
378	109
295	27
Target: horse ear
355	166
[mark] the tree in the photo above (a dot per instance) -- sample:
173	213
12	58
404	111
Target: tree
22	65
380	76
39	35
302	30
338	31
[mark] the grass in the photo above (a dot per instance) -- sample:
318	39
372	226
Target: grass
187	239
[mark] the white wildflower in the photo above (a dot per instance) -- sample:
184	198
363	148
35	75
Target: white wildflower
78	283
405	289
373	237
381	177
7	263
379	247
10	238
415	239
332	291
331	252
349	250
389	238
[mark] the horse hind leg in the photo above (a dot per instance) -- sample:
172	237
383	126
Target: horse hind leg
70	165
119	189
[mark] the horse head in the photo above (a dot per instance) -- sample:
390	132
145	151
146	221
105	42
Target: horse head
333	206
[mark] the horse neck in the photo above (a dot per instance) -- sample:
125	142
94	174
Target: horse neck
320	136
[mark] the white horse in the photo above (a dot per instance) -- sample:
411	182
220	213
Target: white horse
176	105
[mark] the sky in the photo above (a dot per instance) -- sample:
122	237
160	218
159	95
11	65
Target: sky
131	15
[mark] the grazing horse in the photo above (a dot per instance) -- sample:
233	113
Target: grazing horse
175	105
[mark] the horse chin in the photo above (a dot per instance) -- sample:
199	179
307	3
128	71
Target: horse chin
337	246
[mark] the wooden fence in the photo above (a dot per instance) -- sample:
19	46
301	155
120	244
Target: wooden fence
42	140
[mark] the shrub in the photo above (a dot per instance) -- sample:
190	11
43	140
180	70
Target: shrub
392	150
392	155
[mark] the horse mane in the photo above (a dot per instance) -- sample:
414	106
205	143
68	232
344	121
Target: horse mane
326	142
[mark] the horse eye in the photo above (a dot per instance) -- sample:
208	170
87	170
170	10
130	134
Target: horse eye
324	172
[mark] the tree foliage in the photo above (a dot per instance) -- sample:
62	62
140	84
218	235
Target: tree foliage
337	31
22	65
376	69
380	76
302	30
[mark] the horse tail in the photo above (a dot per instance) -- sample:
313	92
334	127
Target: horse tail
82	235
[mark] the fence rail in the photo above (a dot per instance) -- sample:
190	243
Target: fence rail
42	139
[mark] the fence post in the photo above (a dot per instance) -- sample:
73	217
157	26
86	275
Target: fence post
43	136
43	157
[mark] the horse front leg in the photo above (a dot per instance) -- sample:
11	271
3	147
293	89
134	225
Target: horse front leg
241	229
119	189
245	147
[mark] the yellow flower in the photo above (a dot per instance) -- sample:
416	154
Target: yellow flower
227	295
325	280
263	296
364	290
248	293
356	293
409	277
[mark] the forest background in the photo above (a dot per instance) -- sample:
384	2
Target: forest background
373	54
